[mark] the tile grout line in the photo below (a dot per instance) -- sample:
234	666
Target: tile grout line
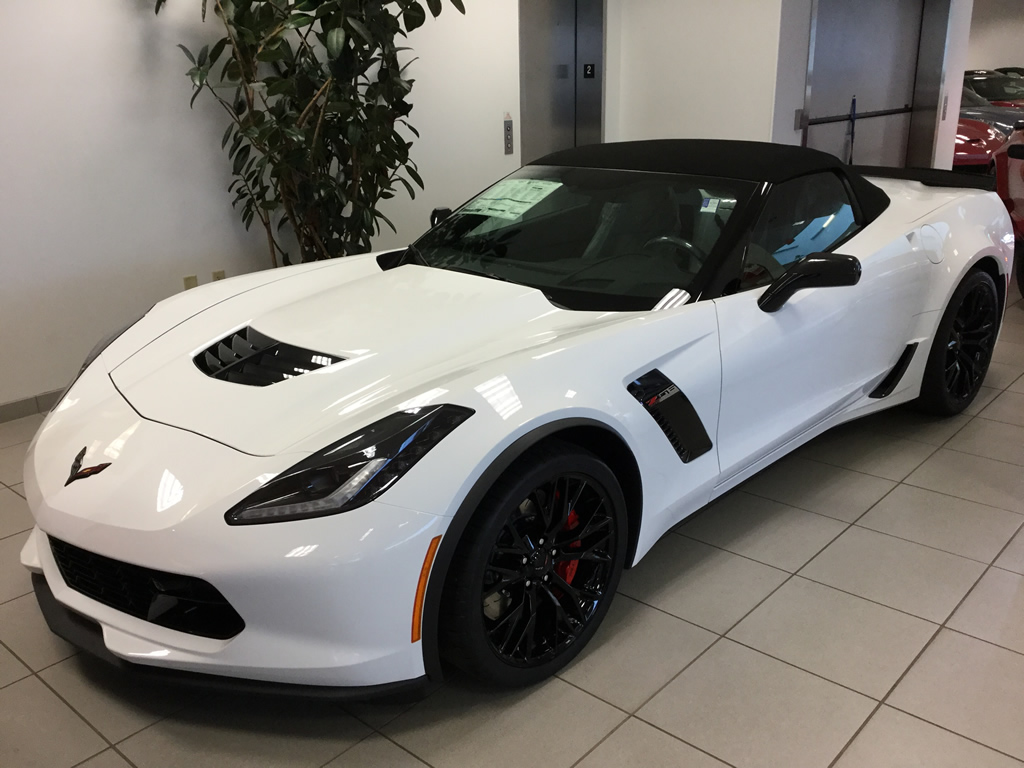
947	730
921	653
722	636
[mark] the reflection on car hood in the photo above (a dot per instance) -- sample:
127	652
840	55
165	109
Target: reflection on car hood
401	334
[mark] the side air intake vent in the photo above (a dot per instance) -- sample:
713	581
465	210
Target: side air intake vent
673	412
249	357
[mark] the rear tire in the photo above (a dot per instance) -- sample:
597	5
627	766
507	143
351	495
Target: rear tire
519	605
962	348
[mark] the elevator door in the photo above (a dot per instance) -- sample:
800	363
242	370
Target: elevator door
867	49
561	62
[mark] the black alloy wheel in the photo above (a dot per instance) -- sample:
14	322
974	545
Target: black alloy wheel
963	345
549	570
537	567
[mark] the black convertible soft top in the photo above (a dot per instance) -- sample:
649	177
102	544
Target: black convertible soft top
722	158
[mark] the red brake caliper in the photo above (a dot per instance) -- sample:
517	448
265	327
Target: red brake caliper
567	568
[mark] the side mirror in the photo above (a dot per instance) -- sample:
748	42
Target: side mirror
817	270
1018	126
440	214
1016	151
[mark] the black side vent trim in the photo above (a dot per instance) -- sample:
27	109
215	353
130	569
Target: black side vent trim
892	379
249	357
673	412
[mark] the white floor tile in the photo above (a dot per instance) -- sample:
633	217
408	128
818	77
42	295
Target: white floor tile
975	478
945	522
552	724
822	488
19	430
771	533
638	745
704	585
894	739
843	638
994	610
756	712
37	729
635	652
970	687
909	577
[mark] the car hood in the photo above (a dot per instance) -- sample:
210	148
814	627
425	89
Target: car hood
404	335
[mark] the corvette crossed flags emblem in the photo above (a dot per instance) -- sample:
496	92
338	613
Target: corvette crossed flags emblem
77	473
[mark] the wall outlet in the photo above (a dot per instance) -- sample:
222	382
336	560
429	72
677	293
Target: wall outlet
191	281
219	274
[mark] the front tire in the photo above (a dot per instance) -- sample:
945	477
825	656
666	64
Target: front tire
536	569
962	348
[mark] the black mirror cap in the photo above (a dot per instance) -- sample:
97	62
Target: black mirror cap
1016	151
438	215
817	270
1018	126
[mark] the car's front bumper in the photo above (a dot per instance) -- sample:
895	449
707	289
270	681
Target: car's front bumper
87	635
325	602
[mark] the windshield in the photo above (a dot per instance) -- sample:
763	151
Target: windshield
971	99
590	238
999	88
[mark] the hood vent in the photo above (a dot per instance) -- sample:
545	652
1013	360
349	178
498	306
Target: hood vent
249	357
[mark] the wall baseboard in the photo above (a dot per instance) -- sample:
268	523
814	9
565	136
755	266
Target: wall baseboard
30	406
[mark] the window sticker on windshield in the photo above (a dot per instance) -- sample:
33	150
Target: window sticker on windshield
710	205
511	198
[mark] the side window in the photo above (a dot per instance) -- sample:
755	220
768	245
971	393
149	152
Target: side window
801	216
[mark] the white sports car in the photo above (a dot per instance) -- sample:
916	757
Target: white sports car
333	477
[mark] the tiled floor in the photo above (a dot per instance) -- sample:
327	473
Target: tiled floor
859	605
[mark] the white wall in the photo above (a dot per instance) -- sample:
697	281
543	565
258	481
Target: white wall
111	190
997	35
959	45
791	70
467	78
691	68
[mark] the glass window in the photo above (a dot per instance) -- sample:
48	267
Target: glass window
801	216
591	238
998	87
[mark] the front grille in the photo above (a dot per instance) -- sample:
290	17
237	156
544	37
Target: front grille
177	602
249	357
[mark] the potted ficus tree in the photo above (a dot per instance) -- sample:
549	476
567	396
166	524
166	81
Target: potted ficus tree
317	100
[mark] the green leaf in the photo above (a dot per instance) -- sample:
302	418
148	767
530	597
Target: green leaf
195	95
279	85
217	50
336	42
240	158
459	6
187	53
204	54
298	20
414	176
414	17
435	7
359	29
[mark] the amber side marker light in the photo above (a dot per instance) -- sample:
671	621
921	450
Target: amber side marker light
421	589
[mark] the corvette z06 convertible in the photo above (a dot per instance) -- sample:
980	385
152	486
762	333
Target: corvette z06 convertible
333	478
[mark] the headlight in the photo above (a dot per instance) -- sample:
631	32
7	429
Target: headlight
353	471
96	351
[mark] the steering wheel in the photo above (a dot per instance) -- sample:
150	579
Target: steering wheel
680	243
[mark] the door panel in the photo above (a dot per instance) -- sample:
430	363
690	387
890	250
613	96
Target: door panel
827	348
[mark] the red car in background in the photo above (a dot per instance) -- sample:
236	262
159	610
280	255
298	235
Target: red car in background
1009	160
975	144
